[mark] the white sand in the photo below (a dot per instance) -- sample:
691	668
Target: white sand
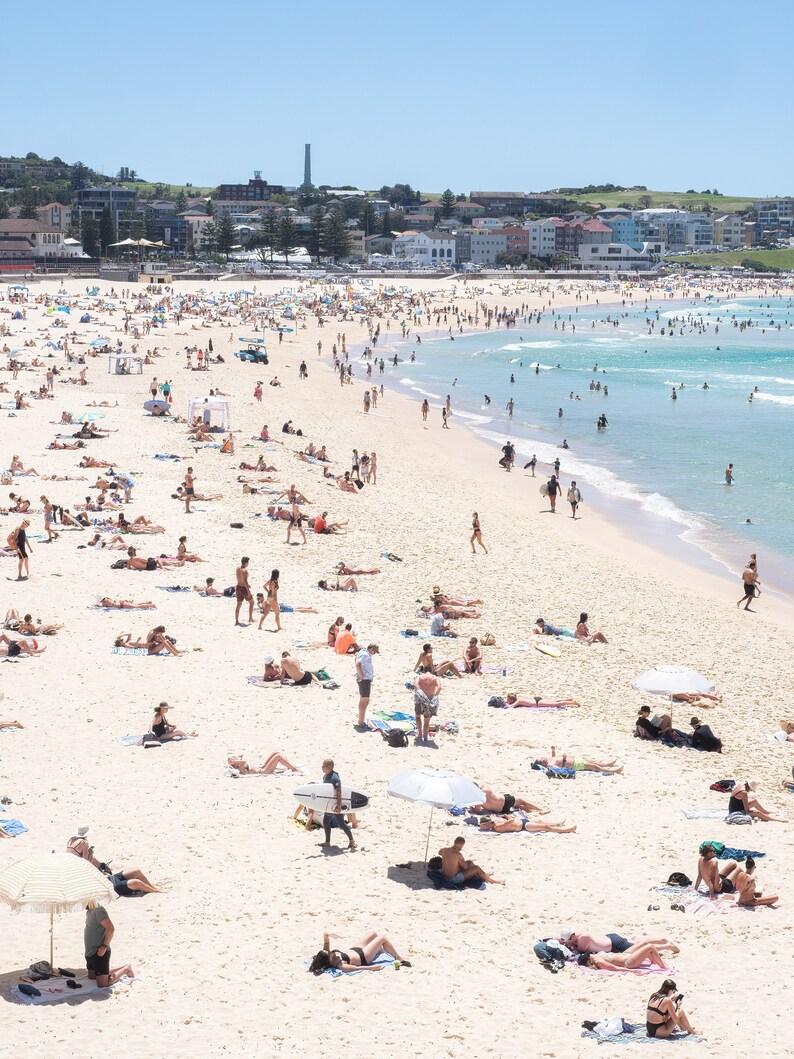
220	956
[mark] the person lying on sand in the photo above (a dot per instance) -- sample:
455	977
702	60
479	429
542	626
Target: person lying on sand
448	613
587	942
15	648
343	568
11	724
125	604
131	882
92	461
269	766
506	825
272	671
359	958
513	701
496	802
125	640
580	764
208	588
437	596
27	626
630	959
348	585
456	869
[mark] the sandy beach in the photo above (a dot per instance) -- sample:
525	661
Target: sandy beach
221	955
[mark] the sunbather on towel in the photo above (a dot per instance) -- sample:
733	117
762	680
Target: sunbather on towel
743	800
505	825
291	668
11	724
165	731
630	959
27	626
359	958
157	642
513	701
15	648
668	1014
426	663
456	869
580	764
587	941
496	802
269	766
125	604
131	882
646	727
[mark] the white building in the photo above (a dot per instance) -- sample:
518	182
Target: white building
21	238
699	234
429	249
542	237
619	256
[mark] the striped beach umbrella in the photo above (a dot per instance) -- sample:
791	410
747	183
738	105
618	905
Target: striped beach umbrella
89	417
52	883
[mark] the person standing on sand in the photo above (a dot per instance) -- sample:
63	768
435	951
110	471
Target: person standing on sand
425	410
18	539
445	418
190	489
574	498
532	464
49	519
335	818
242	591
751	584
365	674
554	488
476	534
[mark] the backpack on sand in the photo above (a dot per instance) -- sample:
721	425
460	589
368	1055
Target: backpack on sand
396	737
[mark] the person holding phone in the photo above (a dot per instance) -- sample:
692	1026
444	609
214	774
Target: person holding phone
665	1012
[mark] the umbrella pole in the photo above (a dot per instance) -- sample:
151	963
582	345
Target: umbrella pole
430	824
52	962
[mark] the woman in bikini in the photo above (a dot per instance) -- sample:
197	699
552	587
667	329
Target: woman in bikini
476	534
269	766
183	554
665	1013
157	642
513	701
271	604
106	603
581	764
633	957
359	958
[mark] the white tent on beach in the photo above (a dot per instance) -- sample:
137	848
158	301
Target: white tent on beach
219	409
125	364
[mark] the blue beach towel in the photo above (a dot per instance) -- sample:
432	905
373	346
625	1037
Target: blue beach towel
12	827
638	1035
384	960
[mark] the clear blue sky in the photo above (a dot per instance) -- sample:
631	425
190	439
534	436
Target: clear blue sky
493	95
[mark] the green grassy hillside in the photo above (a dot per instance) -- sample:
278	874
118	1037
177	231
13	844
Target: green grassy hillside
662	199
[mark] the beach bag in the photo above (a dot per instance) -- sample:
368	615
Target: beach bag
396	737
678	879
120	564
489	640
150	740
723	786
496	701
322	674
228	592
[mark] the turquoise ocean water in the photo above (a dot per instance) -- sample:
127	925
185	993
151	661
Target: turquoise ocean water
660	463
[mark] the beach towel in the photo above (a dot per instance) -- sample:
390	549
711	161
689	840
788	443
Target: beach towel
174	588
260	682
55	989
638	1035
384	722
440	882
13	828
491	668
517	646
704	814
384	960
168	456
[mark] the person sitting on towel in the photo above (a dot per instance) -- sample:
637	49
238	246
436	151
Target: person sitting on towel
646	727
703	738
456	869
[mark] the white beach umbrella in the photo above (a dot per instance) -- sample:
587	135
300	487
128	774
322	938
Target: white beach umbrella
671	680
52	883
438	788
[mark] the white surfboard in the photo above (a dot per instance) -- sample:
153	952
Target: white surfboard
548	649
544	489
322	798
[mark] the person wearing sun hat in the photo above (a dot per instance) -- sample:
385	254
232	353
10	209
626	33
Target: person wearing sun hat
272	671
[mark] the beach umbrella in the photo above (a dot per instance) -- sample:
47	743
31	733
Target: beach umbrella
52	883
100	342
438	788
89	417
667	681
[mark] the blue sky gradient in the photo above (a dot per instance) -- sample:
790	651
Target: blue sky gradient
501	95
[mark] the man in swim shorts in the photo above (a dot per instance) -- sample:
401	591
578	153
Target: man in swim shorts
242	591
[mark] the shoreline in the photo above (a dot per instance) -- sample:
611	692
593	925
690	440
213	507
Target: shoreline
674	538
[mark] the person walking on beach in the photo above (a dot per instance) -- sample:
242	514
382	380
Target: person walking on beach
189	489
476	534
336	818
365	674
49	519
554	488
532	464
242	591
574	498
751	584
425	410
445	418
